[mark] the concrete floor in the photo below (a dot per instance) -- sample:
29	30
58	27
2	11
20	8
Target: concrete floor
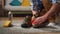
16	29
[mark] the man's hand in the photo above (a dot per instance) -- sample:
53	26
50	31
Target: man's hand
39	20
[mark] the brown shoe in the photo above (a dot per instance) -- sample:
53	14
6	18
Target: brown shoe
27	22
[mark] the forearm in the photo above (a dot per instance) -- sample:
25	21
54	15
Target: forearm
52	10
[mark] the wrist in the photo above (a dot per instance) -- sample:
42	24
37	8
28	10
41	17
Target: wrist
46	16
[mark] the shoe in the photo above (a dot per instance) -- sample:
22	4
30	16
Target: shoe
42	25
27	22
51	25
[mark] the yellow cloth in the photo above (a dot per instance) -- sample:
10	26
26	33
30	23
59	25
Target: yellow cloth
7	24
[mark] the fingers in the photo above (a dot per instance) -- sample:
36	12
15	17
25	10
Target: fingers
36	22
39	22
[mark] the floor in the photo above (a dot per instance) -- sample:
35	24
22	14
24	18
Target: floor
16	29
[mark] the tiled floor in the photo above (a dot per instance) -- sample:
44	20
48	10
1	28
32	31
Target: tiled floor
16	29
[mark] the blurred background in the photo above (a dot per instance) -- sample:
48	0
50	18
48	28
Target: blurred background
20	9
0	8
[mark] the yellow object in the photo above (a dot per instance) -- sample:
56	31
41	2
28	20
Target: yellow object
25	3
7	24
33	17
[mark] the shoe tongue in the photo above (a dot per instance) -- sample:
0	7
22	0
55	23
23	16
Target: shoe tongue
26	16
